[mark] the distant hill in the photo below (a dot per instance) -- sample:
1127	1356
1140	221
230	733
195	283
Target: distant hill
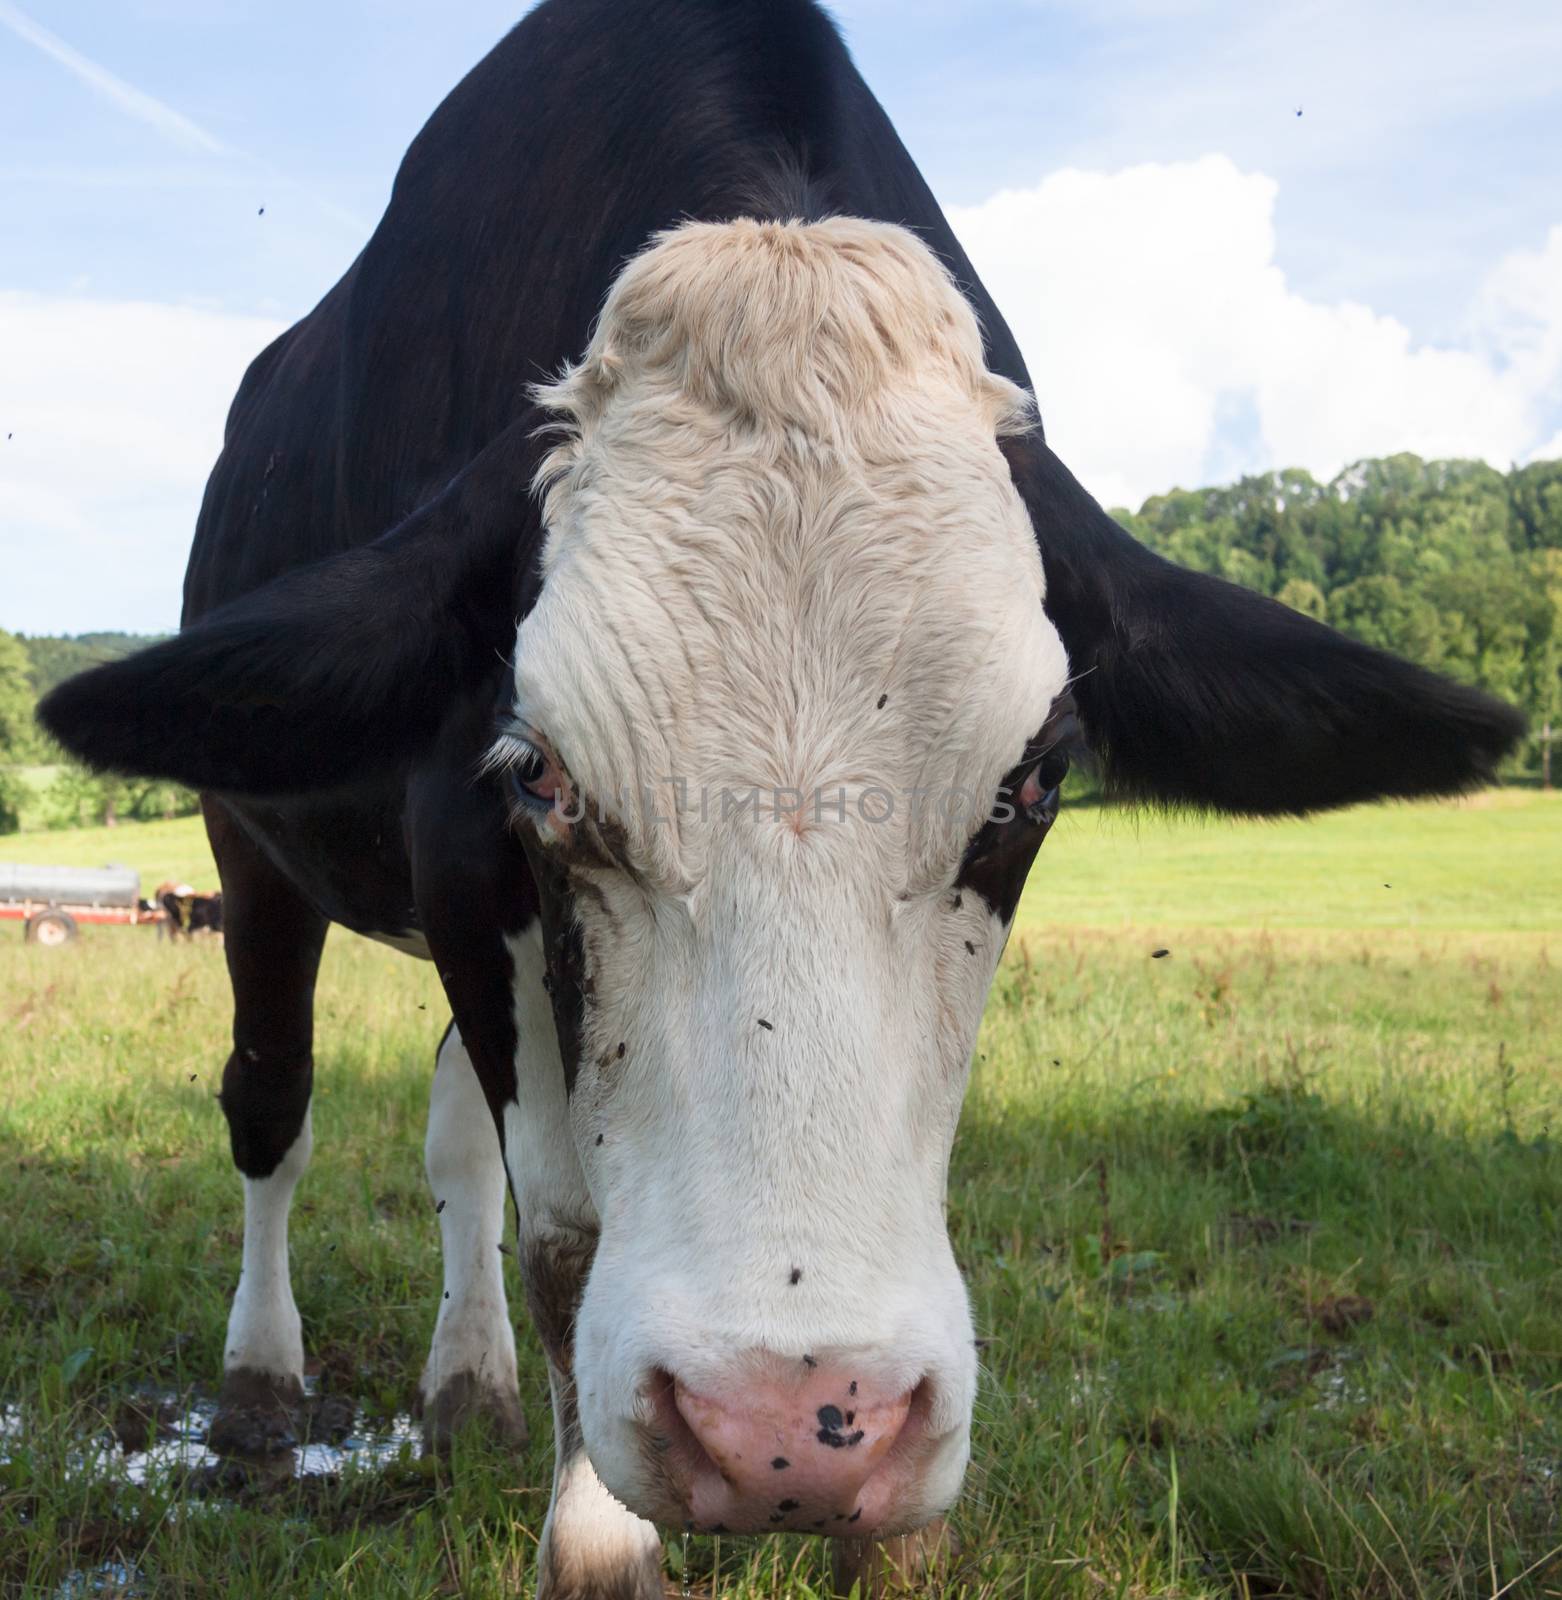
54	657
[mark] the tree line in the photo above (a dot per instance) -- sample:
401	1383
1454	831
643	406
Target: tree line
1451	563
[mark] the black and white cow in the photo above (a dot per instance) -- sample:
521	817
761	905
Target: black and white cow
588	591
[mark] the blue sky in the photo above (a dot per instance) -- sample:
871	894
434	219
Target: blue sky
1203	281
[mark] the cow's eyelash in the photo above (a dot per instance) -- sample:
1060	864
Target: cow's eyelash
512	748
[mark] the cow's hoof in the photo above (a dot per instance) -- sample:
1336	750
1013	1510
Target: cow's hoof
464	1400
257	1414
904	1566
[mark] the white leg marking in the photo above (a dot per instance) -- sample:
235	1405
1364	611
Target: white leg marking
264	1331
473	1338
590	1544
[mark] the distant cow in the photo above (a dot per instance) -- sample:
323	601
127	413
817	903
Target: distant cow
187	912
710	778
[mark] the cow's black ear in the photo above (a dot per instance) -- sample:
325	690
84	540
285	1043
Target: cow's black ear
334	672
1192	691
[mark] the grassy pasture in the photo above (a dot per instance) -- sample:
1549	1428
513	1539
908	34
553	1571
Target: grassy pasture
1263	1235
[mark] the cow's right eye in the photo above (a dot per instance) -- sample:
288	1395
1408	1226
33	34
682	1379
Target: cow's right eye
1036	796
531	777
529	768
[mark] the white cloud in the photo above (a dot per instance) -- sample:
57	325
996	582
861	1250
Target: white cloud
1519	314
115	413
1150	307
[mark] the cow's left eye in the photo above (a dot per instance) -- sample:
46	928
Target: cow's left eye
1037	799
1046	765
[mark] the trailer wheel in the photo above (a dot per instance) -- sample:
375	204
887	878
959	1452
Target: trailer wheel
50	928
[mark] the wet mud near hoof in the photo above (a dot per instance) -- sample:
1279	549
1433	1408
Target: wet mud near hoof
258	1416
141	1422
386	1491
248	1450
261	1432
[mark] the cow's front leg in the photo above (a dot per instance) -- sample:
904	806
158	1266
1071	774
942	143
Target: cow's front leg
592	1547
273	948
471	1363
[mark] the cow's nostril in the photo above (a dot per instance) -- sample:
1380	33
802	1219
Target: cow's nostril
684	1457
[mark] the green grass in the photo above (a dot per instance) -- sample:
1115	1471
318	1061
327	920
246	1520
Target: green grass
1263	1235
1492	862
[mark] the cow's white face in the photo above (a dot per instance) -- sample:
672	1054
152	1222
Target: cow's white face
789	645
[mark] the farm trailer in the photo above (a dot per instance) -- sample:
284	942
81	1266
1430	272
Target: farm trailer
52	903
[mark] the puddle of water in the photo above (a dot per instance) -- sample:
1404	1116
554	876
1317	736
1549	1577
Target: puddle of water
1336	1390
188	1452
176	1443
114	1580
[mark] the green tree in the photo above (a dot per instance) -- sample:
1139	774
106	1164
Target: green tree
11	800
1543	692
17	738
1386	613
1450	563
1302	595
1535	495
78	798
16	700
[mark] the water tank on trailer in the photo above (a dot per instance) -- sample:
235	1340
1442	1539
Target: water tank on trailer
69	886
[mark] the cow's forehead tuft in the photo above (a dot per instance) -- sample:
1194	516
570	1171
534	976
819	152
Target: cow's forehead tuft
770	328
